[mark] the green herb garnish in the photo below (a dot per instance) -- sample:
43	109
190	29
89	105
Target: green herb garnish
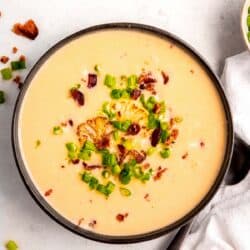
11	245
116	135
122	125
57	130
6	73
72	150
125	191
116	169
105	174
86	177
116	93
2	97
18	65
132	82
165	153
153	122
107	112
110	81
109	159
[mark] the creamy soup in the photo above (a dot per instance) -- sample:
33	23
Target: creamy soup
122	132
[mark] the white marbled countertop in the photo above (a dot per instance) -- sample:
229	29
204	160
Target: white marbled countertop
212	27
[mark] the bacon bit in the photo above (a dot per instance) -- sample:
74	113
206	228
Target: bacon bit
146	78
159	173
22	58
122	153
93	223
119	113
92	80
77	96
155	137
133	129
157	108
76	161
165	77
121	217
92	167
146	165
17	80
62	166
103	143
4	59
175	133
71	123
185	156
14	50
171	122
80	221
191	71
146	197
135	94
138	156
84	164
202	144
28	29
48	192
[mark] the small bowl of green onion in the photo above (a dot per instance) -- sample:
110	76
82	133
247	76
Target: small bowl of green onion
245	23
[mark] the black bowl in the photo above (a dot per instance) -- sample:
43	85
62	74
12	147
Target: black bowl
130	238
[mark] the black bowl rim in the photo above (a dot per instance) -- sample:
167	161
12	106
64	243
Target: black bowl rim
91	234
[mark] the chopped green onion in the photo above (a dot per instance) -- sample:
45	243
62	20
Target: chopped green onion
164	135
93	182
11	245
125	191
146	176
107	112
71	147
149	104
137	172
38	143
116	93
153	122
151	150
164	125
116	135
89	146
97	68
86	177
122	125
109	159
132	82
2	97
102	189
105	174
248	36
110	81
18	65
125	176
110	186
125	93
57	130
165	153
248	21
116	169
6	73
84	154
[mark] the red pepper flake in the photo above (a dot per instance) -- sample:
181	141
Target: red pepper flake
92	80
155	137
71	123
75	161
14	50
48	192
135	94
146	197
28	29
77	96
4	59
22	58
185	156
93	223
159	173
80	221
121	217
133	129
202	144
165	77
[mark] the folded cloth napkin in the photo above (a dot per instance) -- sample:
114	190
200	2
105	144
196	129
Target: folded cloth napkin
225	223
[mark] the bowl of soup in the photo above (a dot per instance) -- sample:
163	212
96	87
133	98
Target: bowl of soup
122	133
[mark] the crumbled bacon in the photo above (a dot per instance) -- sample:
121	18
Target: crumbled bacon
155	137
80	221
4	59
165	77
17	80
84	164
77	96
119	113
121	217
175	133
92	167
157	108
202	144
146	197
185	156
171	122
159	173
22	58
102	143
48	192
71	123
76	161
173	136
28	29
146	165
14	50
135	94
138	156
62	166
93	223
92	80
147	81
122	153
133	129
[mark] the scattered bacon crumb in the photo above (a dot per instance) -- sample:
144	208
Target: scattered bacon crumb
80	221
119	113
48	192
146	197
146	165
121	217
135	94
185	156
4	59
22	58
159	173
93	223
191	71
71	123
17	79
77	96
175	133
147	81
171	122
62	166
165	77
202	144
14	50
157	108
133	129
155	137
138	156
28	29
102	143
92	80
91	167
76	161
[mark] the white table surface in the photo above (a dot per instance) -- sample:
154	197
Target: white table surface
212	27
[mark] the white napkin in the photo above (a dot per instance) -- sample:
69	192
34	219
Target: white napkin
225	223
